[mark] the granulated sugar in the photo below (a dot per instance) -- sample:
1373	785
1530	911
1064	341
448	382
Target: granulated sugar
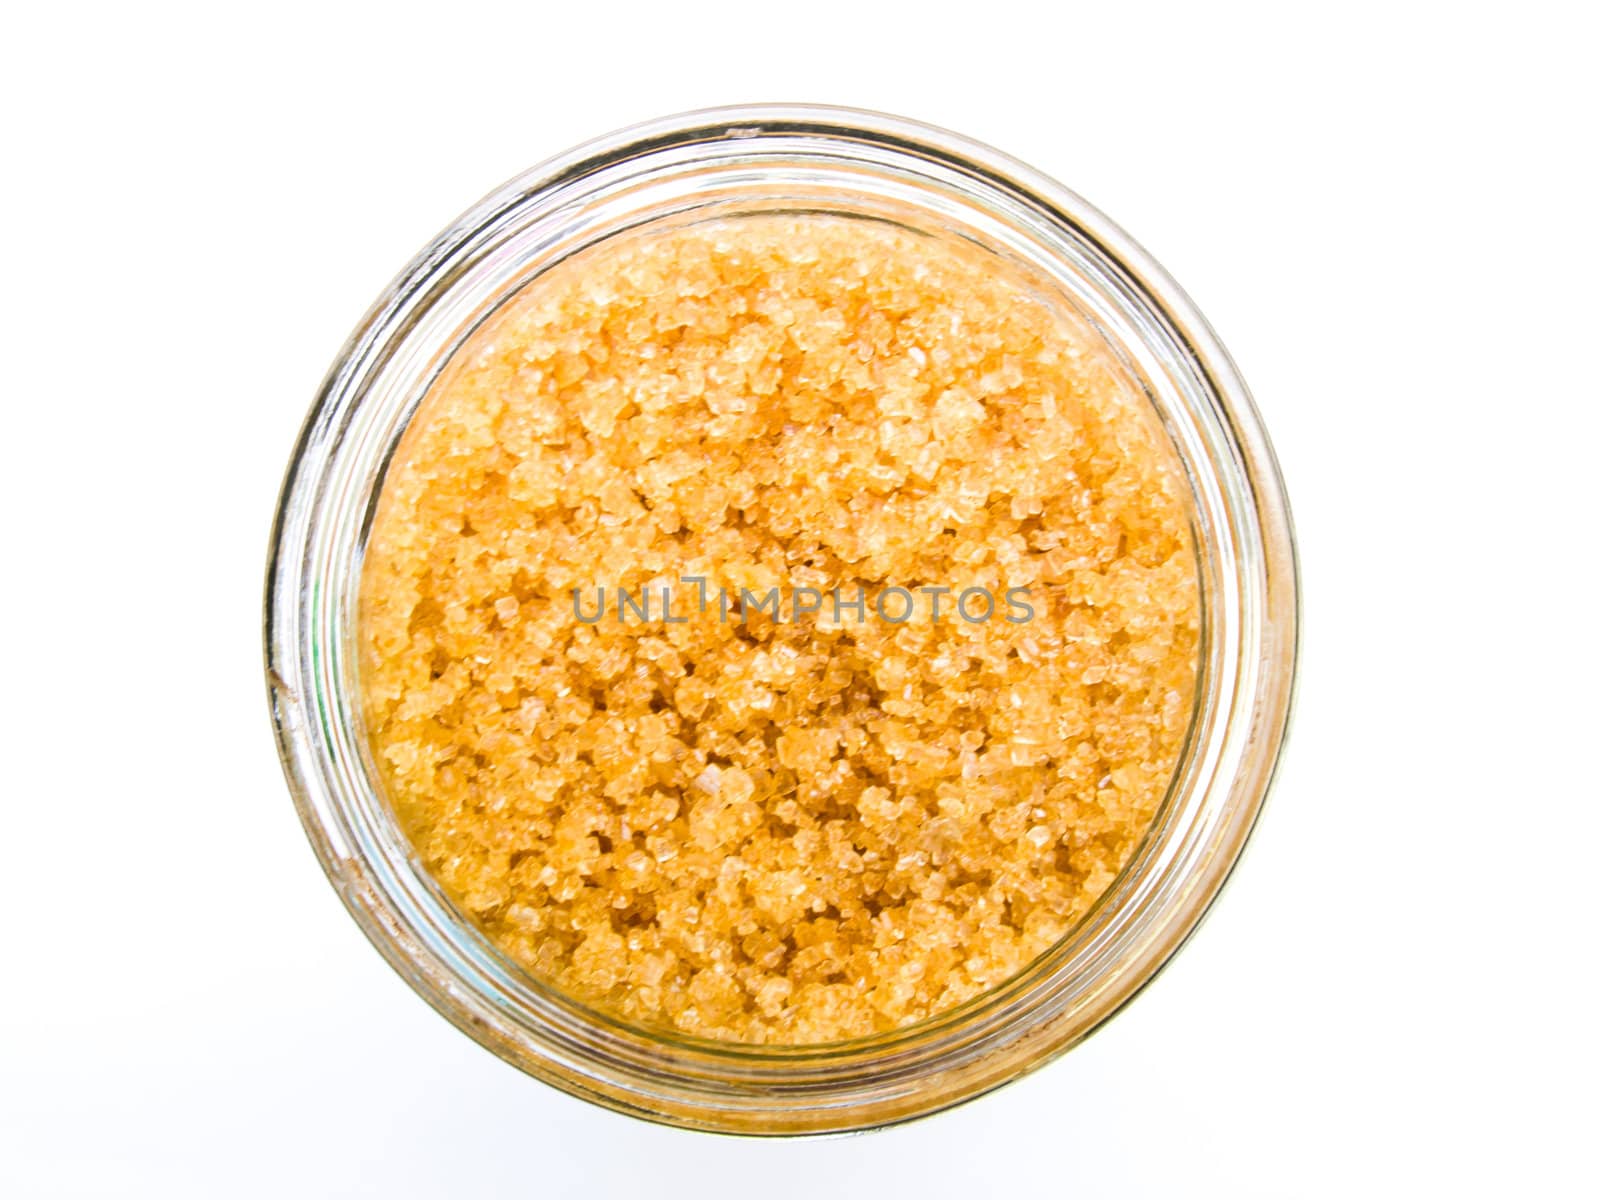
813	827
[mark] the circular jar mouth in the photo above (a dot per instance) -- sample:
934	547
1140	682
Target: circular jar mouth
727	162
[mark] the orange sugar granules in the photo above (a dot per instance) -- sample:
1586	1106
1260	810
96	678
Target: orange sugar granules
754	823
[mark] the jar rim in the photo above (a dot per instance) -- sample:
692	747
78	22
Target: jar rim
319	530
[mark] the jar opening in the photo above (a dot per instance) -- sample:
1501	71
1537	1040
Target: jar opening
678	174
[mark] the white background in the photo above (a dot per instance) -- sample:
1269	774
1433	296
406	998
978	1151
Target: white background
1388	212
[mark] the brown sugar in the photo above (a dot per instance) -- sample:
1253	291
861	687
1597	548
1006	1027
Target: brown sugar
749	818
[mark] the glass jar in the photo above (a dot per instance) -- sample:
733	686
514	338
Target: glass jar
713	164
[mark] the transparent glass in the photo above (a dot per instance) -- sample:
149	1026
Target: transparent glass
717	163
